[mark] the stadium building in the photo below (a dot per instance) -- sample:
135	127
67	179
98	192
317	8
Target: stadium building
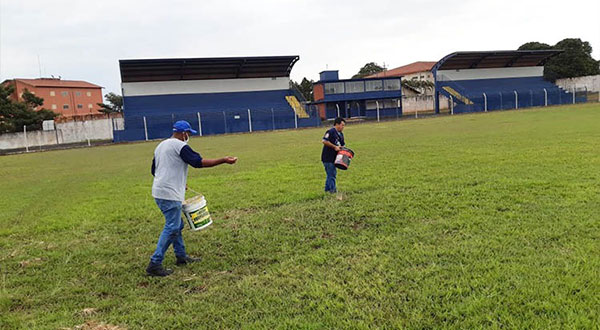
216	95
367	97
493	80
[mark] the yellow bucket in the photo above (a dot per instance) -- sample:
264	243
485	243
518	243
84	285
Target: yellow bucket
196	213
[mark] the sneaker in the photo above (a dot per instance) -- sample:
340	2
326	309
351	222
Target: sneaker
157	270
186	260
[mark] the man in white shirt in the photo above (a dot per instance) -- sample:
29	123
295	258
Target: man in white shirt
169	168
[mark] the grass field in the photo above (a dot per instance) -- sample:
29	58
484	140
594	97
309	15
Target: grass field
472	221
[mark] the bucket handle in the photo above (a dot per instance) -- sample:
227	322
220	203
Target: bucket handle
192	190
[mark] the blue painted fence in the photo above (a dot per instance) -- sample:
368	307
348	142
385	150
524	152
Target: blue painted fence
159	126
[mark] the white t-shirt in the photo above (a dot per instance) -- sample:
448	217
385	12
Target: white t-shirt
171	171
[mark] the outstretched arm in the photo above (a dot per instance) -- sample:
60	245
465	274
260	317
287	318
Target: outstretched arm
218	161
195	160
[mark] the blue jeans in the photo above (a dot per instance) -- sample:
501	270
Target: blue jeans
331	171
171	233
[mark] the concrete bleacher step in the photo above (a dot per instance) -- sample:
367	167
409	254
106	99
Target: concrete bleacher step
457	95
298	108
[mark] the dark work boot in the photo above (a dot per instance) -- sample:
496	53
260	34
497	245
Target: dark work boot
157	270
186	260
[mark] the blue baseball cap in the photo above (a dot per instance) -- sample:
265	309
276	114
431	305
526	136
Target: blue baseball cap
183	126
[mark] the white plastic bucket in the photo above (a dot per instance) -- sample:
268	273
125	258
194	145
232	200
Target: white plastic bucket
196	213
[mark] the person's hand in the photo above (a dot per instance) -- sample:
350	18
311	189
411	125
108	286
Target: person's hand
230	160
338	148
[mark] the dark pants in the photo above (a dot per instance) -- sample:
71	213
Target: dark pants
331	171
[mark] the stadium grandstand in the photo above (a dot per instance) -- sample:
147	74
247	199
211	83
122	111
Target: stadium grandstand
216	95
493	80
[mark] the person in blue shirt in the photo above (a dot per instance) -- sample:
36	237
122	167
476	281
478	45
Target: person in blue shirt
333	141
169	168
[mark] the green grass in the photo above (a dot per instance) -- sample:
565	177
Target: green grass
472	221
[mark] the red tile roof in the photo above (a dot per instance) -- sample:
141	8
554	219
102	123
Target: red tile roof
51	82
404	70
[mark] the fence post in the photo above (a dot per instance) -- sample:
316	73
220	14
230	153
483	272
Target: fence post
377	103
25	136
111	128
545	97
559	97
249	121
530	98
516	100
225	121
573	94
451	105
398	109
273	118
199	124
484	102
85	132
145	128
39	139
338	109
56	134
295	119
501	105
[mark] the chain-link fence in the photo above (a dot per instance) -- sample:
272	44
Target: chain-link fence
516	99
159	126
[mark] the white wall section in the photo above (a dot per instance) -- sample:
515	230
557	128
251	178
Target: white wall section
592	83
205	86
495	73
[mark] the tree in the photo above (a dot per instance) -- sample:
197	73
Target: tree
14	115
115	103
305	87
368	69
534	45
31	100
420	85
575	61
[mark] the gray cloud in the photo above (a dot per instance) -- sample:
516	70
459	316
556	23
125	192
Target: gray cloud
84	40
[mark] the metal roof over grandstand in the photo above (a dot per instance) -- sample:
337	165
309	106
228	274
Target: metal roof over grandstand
494	59
206	68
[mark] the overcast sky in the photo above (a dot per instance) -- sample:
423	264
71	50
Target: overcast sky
83	40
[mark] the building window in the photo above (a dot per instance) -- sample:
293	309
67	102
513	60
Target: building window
65	106
392	84
54	107
371	105
89	93
390	103
90	106
65	93
52	93
334	88
355	86
80	106
77	93
374	86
